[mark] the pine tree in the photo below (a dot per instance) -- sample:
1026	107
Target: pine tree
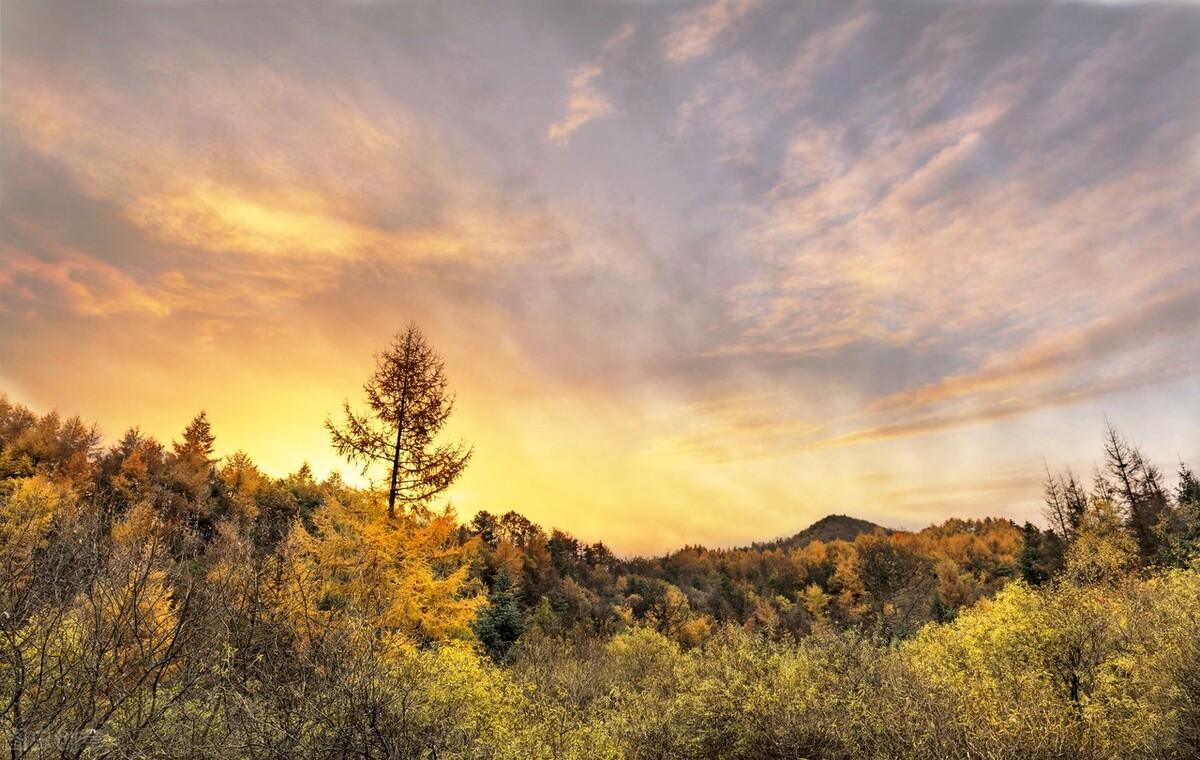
405	576
500	624
1188	490
1028	560
1180	527
1041	554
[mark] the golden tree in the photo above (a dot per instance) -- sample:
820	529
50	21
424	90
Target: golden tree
407	406
406	576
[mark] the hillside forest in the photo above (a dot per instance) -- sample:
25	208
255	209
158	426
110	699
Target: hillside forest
159	601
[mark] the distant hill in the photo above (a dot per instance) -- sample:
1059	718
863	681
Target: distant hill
828	528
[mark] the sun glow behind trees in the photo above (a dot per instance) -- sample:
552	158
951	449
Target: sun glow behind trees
163	601
746	262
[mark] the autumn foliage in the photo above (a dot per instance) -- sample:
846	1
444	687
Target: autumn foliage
159	601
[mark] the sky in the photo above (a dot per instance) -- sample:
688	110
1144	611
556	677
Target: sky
700	272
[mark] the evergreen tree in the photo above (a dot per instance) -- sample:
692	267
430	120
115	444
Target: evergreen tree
1180	527
198	442
1029	558
500	624
1188	490
1041	554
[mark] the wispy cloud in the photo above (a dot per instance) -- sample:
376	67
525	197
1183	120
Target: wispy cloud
693	31
816	242
289	178
584	103
1055	358
81	284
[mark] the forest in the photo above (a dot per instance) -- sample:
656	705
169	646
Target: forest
159	601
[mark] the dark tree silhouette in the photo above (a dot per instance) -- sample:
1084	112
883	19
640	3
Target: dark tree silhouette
1138	487
1066	502
407	406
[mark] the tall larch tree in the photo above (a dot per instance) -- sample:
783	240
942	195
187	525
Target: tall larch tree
407	406
1138	486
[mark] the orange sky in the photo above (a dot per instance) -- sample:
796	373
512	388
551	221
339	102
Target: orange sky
699	273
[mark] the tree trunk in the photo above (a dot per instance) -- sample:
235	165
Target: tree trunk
399	431
395	465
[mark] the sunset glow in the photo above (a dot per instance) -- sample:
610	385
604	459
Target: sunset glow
700	273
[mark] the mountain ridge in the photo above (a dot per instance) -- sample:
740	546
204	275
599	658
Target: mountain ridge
833	527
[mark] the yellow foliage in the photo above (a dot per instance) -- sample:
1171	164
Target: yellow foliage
404	575
26	515
1102	550
696	631
1085	663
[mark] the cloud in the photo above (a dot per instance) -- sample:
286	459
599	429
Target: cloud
960	200
693	32
584	103
83	285
1151	344
1016	403
254	176
1054	358
848	238
822	50
945	218
735	428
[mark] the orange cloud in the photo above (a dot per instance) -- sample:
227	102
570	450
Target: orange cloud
1014	404
83	284
330	179
796	243
220	219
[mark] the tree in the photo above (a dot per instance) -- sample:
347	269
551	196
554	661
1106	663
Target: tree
405	576
1138	485
1188	490
47	445
1179	527
1066	503
1041	555
1103	551
1118	459
192	471
896	579
198	442
499	624
407	406
131	470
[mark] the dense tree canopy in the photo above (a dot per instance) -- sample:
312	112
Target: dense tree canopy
160	601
